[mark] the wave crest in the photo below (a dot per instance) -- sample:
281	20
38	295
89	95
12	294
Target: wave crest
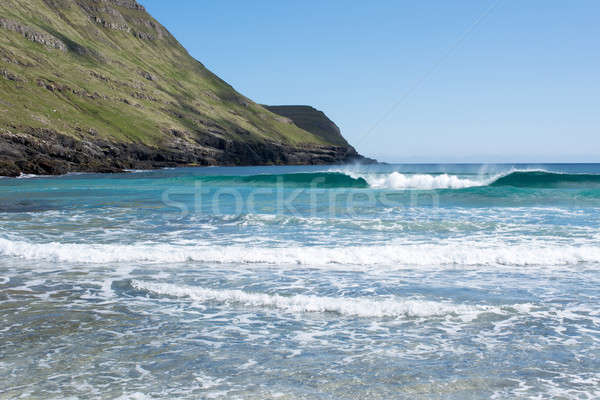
522	179
463	253
545	179
396	180
354	307
315	180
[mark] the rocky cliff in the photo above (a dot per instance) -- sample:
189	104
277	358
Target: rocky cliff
100	85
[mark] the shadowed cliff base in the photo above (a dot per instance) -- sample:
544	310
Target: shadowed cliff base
45	152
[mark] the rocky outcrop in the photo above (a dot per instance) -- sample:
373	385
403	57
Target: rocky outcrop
131	4
32	34
106	15
10	76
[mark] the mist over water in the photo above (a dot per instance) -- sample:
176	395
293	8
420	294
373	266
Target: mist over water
387	281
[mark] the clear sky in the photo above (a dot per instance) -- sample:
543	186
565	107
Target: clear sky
432	80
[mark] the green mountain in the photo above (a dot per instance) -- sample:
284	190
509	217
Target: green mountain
100	85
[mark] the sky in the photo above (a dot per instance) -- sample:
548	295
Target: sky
415	81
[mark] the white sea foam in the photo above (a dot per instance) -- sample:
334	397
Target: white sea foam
28	176
461	253
358	307
396	180
400	181
134	396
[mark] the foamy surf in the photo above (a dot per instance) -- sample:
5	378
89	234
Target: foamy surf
223	303
455	253
530	178
396	180
29	176
352	307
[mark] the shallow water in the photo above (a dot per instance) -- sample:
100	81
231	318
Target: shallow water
373	282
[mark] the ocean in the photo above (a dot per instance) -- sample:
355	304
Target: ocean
416	281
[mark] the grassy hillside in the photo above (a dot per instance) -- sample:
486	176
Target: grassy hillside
105	70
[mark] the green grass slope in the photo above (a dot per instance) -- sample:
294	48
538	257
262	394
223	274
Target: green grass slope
105	69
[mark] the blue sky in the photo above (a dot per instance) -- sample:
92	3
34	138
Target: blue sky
522	85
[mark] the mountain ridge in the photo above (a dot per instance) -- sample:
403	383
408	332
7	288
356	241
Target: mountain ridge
101	86
311	120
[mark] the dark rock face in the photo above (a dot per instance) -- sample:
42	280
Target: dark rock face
45	152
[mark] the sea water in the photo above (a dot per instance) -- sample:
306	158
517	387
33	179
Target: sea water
343	282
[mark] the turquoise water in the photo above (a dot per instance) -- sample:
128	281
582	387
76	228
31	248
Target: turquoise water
345	282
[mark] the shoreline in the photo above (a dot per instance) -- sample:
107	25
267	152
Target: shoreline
45	152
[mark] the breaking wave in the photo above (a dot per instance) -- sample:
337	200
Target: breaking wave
400	181
522	179
462	253
396	180
354	307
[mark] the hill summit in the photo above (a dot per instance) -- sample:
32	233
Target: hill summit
100	85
